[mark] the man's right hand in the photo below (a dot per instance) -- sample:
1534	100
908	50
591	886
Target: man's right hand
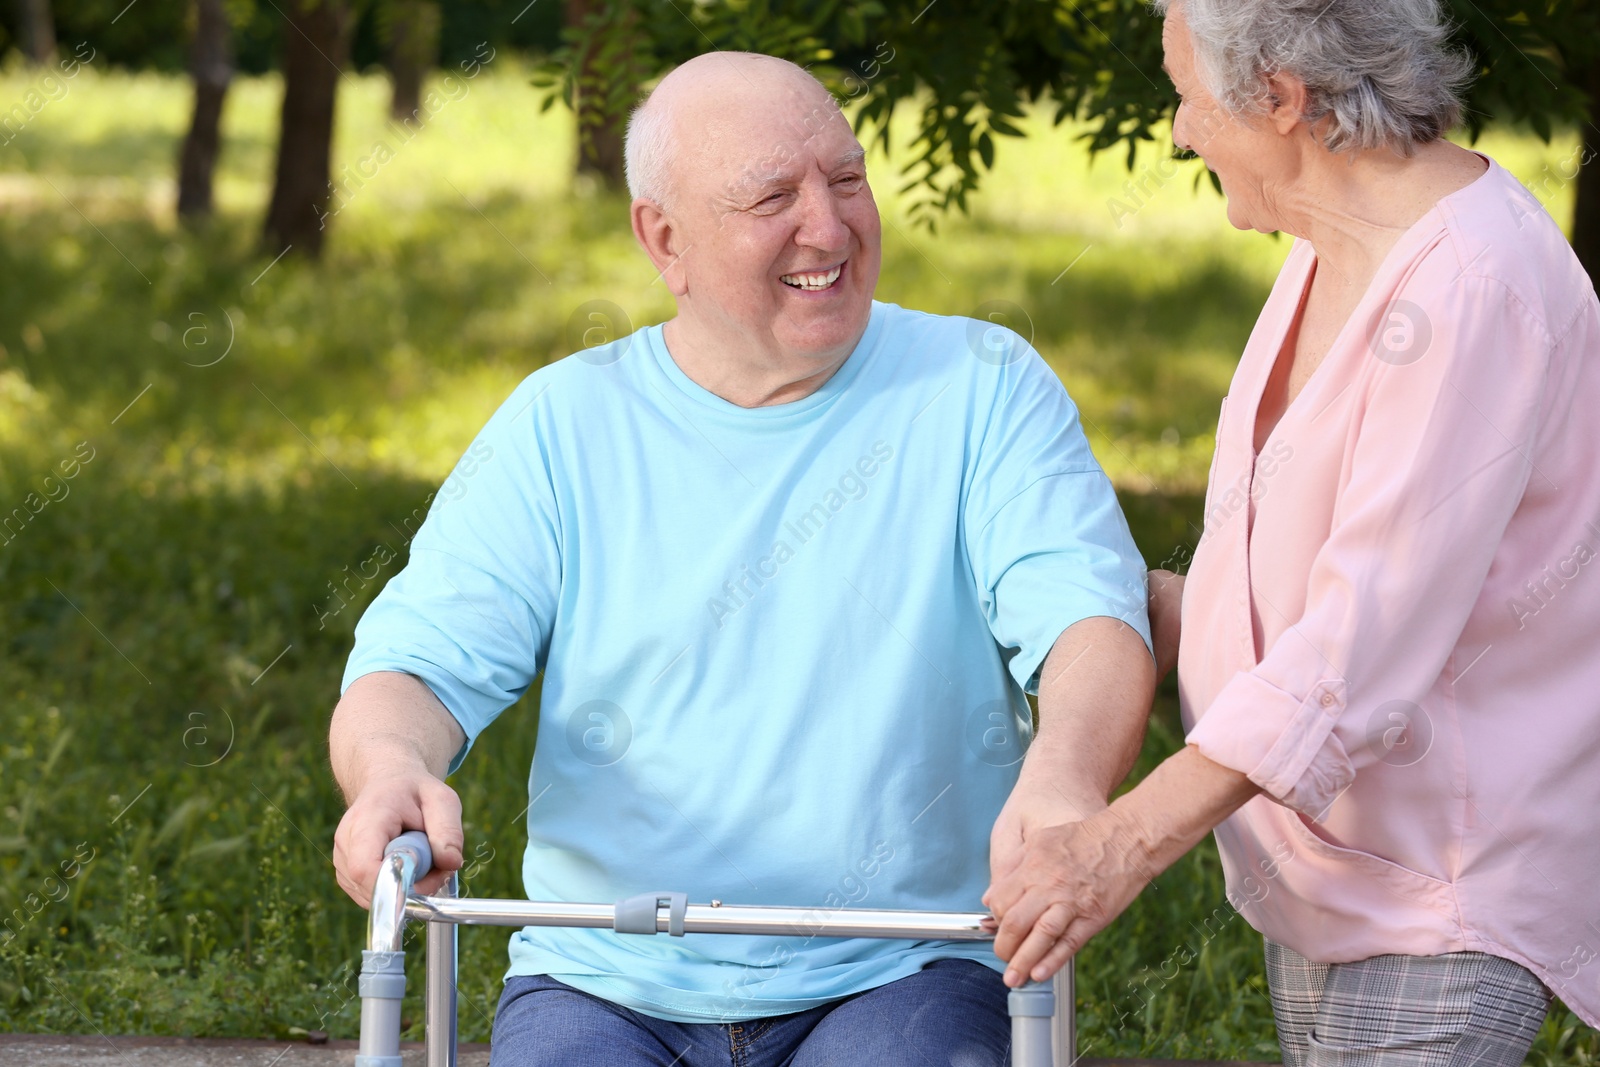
390	743
391	804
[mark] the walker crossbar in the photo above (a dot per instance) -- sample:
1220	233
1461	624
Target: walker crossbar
1043	1025
711	918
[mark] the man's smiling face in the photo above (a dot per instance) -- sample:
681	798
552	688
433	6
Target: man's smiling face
781	242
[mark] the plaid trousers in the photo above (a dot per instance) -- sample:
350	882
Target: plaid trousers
1461	1009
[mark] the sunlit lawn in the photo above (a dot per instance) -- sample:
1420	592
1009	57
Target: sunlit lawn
253	431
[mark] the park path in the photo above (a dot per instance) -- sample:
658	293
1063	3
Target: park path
53	1050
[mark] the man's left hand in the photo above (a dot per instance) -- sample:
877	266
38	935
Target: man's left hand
1069	881
1034	804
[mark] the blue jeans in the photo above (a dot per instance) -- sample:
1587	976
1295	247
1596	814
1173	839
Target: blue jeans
952	1013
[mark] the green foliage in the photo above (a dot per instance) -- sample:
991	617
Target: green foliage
969	71
154	34
1531	61
169	645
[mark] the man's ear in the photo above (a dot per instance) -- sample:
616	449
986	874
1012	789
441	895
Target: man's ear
1286	98
658	235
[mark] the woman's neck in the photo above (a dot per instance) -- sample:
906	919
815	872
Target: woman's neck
1352	208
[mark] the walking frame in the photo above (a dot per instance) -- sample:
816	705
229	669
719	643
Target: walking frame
1043	1018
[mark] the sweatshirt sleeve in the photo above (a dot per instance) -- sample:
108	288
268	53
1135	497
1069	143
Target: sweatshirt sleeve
472	612
1047	540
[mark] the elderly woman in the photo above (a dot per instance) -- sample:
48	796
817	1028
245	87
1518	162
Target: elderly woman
1388	665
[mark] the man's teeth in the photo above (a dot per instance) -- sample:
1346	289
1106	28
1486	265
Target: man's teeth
813	281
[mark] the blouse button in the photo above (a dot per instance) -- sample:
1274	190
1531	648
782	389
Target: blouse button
1327	700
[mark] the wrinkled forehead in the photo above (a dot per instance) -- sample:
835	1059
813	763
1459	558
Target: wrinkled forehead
1177	47
742	145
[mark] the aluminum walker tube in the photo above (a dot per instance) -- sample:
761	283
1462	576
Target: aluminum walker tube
383	964
1066	1025
1042	1013
440	996
1033	1009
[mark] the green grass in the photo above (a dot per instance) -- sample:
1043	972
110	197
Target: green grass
165	679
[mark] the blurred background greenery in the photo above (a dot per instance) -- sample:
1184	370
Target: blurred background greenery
249	431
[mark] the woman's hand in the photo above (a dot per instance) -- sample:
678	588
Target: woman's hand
1073	878
1166	618
1070	881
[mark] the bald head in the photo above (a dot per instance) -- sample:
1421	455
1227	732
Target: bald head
751	200
700	117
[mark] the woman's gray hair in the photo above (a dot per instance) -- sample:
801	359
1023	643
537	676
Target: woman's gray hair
1380	71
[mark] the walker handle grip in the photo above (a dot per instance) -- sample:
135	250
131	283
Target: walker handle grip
416	843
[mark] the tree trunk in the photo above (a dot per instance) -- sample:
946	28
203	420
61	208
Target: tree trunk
599	140
37	30
315	40
413	40
1586	214
211	62
600	153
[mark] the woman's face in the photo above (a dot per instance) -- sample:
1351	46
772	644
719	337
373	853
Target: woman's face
1250	158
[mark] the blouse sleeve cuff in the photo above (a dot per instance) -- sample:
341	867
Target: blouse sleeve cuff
1283	743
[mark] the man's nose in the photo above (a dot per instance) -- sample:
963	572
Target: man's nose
821	225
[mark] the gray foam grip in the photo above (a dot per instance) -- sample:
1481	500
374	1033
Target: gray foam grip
416	842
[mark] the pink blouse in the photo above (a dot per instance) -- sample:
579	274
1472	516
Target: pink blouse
1392	622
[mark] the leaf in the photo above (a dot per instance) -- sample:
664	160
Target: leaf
999	124
57	747
216	848
182	816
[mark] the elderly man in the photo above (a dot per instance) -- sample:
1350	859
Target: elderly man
788	563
